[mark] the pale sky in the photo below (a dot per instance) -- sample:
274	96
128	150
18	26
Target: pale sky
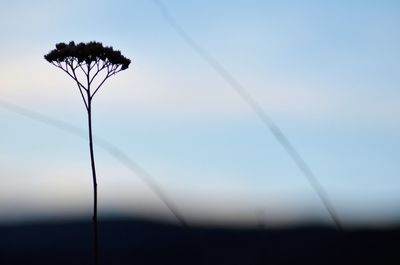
327	72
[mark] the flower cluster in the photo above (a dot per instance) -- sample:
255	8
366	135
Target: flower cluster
88	53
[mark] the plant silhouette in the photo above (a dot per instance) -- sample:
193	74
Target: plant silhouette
89	65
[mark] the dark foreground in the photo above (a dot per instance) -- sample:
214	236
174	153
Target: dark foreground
147	243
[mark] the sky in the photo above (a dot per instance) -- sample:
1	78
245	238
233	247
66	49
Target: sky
327	72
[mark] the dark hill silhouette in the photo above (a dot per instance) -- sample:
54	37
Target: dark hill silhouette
124	241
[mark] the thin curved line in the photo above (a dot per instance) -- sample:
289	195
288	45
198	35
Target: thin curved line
108	147
259	111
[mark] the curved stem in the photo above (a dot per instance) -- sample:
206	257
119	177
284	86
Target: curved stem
94	220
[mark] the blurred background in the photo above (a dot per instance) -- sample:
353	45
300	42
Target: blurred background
326	72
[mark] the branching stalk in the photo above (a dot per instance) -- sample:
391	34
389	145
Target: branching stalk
89	55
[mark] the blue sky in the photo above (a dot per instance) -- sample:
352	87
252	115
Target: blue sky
327	73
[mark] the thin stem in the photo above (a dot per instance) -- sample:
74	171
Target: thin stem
102	82
97	72
83	70
114	69
73	72
94	220
80	86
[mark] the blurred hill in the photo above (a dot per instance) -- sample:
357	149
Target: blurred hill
127	241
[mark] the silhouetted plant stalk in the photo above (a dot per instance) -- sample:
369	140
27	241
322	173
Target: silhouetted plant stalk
89	61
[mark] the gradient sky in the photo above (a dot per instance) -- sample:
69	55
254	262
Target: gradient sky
326	71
